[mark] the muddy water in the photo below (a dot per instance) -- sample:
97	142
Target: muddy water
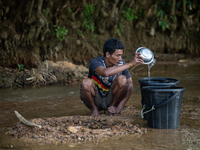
55	101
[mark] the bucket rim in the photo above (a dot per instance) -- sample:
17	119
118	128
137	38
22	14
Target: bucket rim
163	88
145	81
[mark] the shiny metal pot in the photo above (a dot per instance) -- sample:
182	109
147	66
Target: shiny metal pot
146	54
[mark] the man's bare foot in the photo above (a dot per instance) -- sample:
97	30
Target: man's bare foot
95	116
95	113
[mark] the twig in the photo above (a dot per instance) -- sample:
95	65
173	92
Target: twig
36	58
11	82
26	122
78	8
64	6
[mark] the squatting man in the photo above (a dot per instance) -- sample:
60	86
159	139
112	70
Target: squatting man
109	83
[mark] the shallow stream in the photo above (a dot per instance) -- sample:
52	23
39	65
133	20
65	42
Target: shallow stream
56	101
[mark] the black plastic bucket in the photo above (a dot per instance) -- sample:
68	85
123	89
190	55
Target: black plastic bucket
162	106
156	81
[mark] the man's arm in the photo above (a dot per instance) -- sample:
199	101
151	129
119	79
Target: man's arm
110	71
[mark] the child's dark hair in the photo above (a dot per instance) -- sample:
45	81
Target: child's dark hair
111	45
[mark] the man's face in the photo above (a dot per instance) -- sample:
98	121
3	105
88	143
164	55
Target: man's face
116	57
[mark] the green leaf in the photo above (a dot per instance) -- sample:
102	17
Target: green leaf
129	14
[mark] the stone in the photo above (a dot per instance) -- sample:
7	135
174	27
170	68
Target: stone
72	129
96	131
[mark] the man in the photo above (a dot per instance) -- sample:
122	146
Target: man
109	83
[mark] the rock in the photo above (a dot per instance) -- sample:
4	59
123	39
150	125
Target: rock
78	42
96	131
72	129
94	126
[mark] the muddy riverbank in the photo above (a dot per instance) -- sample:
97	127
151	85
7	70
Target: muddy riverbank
67	73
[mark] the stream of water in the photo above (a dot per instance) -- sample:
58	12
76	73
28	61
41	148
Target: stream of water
149	67
55	101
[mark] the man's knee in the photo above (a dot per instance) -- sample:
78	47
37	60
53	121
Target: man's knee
121	81
87	84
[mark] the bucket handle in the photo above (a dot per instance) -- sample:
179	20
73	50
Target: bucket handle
156	106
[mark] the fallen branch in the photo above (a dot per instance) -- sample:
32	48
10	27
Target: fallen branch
26	122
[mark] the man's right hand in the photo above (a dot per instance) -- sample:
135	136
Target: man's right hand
137	59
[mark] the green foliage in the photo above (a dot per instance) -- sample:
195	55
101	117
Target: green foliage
20	66
189	3
119	29
118	32
139	12
69	10
80	33
129	14
162	17
88	22
46	12
160	13
163	24
171	18
88	11
94	37
192	7
61	33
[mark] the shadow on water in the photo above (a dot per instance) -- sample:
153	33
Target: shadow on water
55	101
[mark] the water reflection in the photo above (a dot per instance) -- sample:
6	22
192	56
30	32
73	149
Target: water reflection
64	101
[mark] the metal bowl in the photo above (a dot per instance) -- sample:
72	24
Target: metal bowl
146	54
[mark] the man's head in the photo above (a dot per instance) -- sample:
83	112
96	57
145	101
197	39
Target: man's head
113	50
111	45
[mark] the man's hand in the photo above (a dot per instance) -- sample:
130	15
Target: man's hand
137	59
113	110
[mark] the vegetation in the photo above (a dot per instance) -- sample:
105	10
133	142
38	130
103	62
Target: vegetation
31	29
120	28
61	33
129	14
88	22
161	19
46	12
20	66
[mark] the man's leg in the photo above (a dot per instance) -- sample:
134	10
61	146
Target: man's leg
119	92
88	95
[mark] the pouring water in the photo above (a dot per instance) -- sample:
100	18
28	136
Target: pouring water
148	57
149	67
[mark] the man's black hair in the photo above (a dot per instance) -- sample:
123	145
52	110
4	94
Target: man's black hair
111	45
